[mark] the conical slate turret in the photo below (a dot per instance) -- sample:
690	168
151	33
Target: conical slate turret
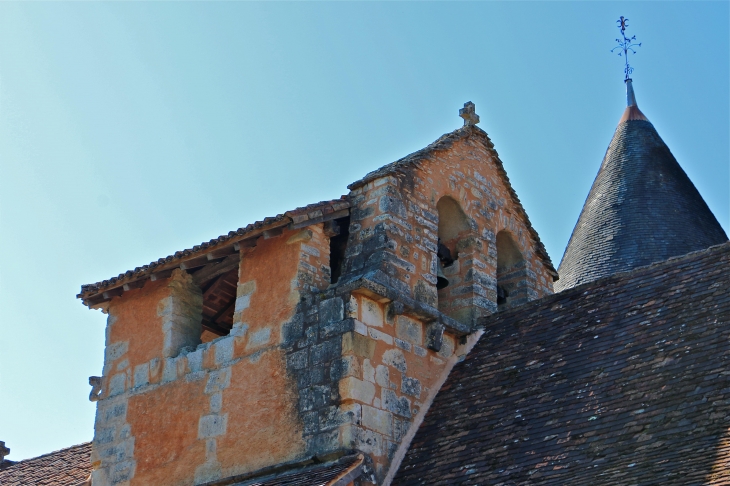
641	209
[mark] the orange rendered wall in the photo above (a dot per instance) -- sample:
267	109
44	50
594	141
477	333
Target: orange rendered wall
165	428
135	321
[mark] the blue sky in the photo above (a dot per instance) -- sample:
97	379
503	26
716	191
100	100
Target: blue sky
131	130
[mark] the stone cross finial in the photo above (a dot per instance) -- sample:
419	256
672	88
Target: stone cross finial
4	451
468	114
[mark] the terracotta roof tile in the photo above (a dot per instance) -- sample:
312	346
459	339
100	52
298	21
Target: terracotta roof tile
72	467
67	467
625	380
310	213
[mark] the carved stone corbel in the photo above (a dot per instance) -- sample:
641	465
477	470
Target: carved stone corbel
435	336
95	382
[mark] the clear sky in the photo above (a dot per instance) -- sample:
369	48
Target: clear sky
131	130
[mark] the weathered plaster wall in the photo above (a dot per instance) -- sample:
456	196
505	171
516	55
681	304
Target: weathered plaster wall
269	290
262	419
164	425
134	332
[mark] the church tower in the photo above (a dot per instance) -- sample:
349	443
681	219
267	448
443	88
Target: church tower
641	209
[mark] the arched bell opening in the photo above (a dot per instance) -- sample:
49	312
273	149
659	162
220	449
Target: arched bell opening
511	272
454	231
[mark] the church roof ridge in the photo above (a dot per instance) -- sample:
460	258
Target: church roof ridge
310	212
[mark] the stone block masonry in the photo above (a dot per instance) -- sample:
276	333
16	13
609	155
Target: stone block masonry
181	314
361	371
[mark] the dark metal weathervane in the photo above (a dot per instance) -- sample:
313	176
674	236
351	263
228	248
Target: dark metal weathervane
626	45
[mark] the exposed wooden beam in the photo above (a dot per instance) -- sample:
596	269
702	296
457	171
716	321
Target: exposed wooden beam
162	274
223	311
95	300
195	262
214	270
136	284
246	245
108	294
222	252
327	217
215	328
210	288
273	232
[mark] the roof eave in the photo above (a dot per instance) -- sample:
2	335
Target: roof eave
95	295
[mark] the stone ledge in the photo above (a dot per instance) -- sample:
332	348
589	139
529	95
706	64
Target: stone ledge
371	284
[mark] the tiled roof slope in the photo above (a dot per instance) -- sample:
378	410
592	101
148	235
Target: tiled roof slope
641	209
625	380
340	472
443	143
67	467
313	212
72	467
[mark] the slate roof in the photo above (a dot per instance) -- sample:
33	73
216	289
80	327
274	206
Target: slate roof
642	208
444	143
625	380
312	213
67	467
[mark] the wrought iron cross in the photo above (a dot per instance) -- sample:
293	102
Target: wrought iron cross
626	45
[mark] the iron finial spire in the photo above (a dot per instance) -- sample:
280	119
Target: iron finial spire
625	45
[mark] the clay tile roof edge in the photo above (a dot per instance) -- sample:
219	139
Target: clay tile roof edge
171	261
83	444
21	469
